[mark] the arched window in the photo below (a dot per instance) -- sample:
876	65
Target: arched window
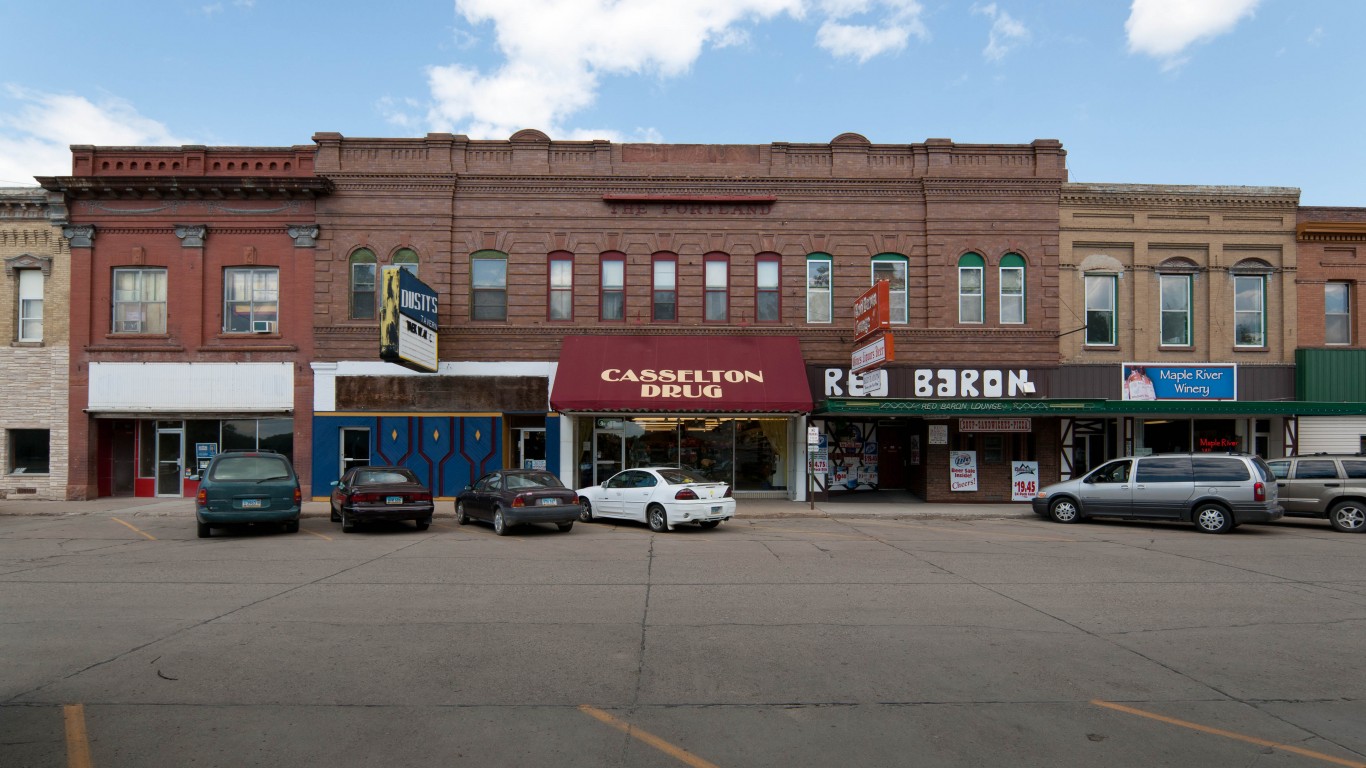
1012	289
970	298
612	266
892	268
818	268
1175	287
406	258
716	293
1249	302
665	292
768	306
561	288
363	284
488	285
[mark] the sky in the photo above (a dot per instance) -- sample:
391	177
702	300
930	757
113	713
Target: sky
1209	92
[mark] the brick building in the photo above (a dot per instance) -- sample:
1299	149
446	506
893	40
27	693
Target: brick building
608	305
34	296
191	316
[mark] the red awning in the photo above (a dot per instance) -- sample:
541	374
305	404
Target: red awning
674	374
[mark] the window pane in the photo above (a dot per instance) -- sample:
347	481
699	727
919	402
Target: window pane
30	305
489	305
716	306
894	272
664	275
613	305
561	305
665	305
250	295
489	273
818	291
1249	327
1337	319
1100	309
717	274
1175	309
768	307
1012	295
30	451
1012	309
818	274
561	274
613	274
363	291
970	309
767	275
970	295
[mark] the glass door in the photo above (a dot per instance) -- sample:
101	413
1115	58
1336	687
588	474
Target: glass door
608	453
531	448
170	458
355	448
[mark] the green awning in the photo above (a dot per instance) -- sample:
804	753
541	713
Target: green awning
874	407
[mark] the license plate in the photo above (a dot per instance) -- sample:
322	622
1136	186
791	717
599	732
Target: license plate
393	499
251	503
715	509
547	502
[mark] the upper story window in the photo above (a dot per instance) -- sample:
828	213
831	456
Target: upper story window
970	290
1101	310
406	258
1175	308
1249	302
251	299
363	284
1337	313
716	302
561	300
140	300
1012	289
665	291
488	285
30	305
767	288
818	269
613	290
892	268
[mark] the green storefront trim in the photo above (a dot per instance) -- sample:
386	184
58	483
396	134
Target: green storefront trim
866	406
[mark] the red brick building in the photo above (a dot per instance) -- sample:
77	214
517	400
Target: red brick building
191	312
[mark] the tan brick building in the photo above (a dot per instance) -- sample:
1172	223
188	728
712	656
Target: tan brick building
35	292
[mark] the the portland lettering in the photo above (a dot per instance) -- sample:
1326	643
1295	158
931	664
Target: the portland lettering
682	383
691	209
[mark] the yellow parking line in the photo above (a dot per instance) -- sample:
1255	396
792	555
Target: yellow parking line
1229	734
135	528
77	742
319	535
682	755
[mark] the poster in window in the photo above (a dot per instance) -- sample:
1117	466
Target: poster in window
962	470
1024	480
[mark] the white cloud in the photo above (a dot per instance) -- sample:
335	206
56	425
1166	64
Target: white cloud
1006	32
557	53
37	129
1164	29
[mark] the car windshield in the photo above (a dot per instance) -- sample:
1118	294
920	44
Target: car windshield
682	476
533	480
253	468
378	477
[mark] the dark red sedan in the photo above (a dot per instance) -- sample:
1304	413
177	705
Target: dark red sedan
365	494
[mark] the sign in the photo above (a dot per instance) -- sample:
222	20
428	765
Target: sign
1154	381
1024	480
962	470
873	311
940	383
813	435
994	425
939	434
408	321
873	355
874	383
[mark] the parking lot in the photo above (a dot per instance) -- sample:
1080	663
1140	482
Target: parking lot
127	641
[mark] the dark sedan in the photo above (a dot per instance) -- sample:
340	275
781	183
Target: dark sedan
365	494
515	496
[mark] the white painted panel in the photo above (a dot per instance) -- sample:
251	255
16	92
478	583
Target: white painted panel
189	387
1335	434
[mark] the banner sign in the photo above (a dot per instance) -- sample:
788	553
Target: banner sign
1024	480
408	321
873	311
994	425
1155	381
962	470
872	355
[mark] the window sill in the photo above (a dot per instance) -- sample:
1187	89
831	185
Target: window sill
244	336
27	344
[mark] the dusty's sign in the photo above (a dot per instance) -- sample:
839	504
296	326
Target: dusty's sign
408	321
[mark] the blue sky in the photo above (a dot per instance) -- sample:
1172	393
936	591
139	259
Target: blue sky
1219	92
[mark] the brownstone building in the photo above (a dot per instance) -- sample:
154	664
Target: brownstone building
191	322
611	305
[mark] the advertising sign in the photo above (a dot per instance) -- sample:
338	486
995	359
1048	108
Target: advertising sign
994	425
873	354
408	320
962	470
873	311
1024	480
939	434
1153	381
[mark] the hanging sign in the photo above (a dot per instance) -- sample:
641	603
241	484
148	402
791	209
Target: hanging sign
873	311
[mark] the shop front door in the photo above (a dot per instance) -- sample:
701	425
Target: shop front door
170	459
608	454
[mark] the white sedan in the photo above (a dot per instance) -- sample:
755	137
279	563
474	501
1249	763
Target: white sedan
664	497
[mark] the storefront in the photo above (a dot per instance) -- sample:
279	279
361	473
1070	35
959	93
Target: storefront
731	407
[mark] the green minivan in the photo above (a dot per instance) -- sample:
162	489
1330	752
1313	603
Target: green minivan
248	488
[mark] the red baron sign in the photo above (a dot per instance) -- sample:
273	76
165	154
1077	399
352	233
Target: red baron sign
873	311
994	425
872	355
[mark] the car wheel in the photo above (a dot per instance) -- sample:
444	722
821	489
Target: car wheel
587	514
203	529
707	525
423	524
565	526
460	516
292	526
1064	510
348	524
659	521
1348	517
500	525
1212	518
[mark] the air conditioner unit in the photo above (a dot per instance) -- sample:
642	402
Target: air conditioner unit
263	326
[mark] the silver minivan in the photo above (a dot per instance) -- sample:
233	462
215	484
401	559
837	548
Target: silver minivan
1216	492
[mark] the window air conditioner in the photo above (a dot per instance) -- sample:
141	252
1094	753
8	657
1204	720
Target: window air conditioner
263	326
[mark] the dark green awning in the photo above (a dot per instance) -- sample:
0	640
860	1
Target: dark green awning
873	406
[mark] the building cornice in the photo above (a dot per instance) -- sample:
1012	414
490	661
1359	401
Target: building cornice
188	187
1130	196
1331	232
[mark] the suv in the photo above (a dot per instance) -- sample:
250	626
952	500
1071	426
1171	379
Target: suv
1324	485
245	488
1216	492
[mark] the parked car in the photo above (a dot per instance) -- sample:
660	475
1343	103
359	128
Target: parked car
1323	485
663	497
512	497
1216	492
367	494
248	488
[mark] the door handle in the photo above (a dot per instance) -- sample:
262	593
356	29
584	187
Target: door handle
1332	485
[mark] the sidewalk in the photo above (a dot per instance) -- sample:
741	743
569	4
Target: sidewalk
745	508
